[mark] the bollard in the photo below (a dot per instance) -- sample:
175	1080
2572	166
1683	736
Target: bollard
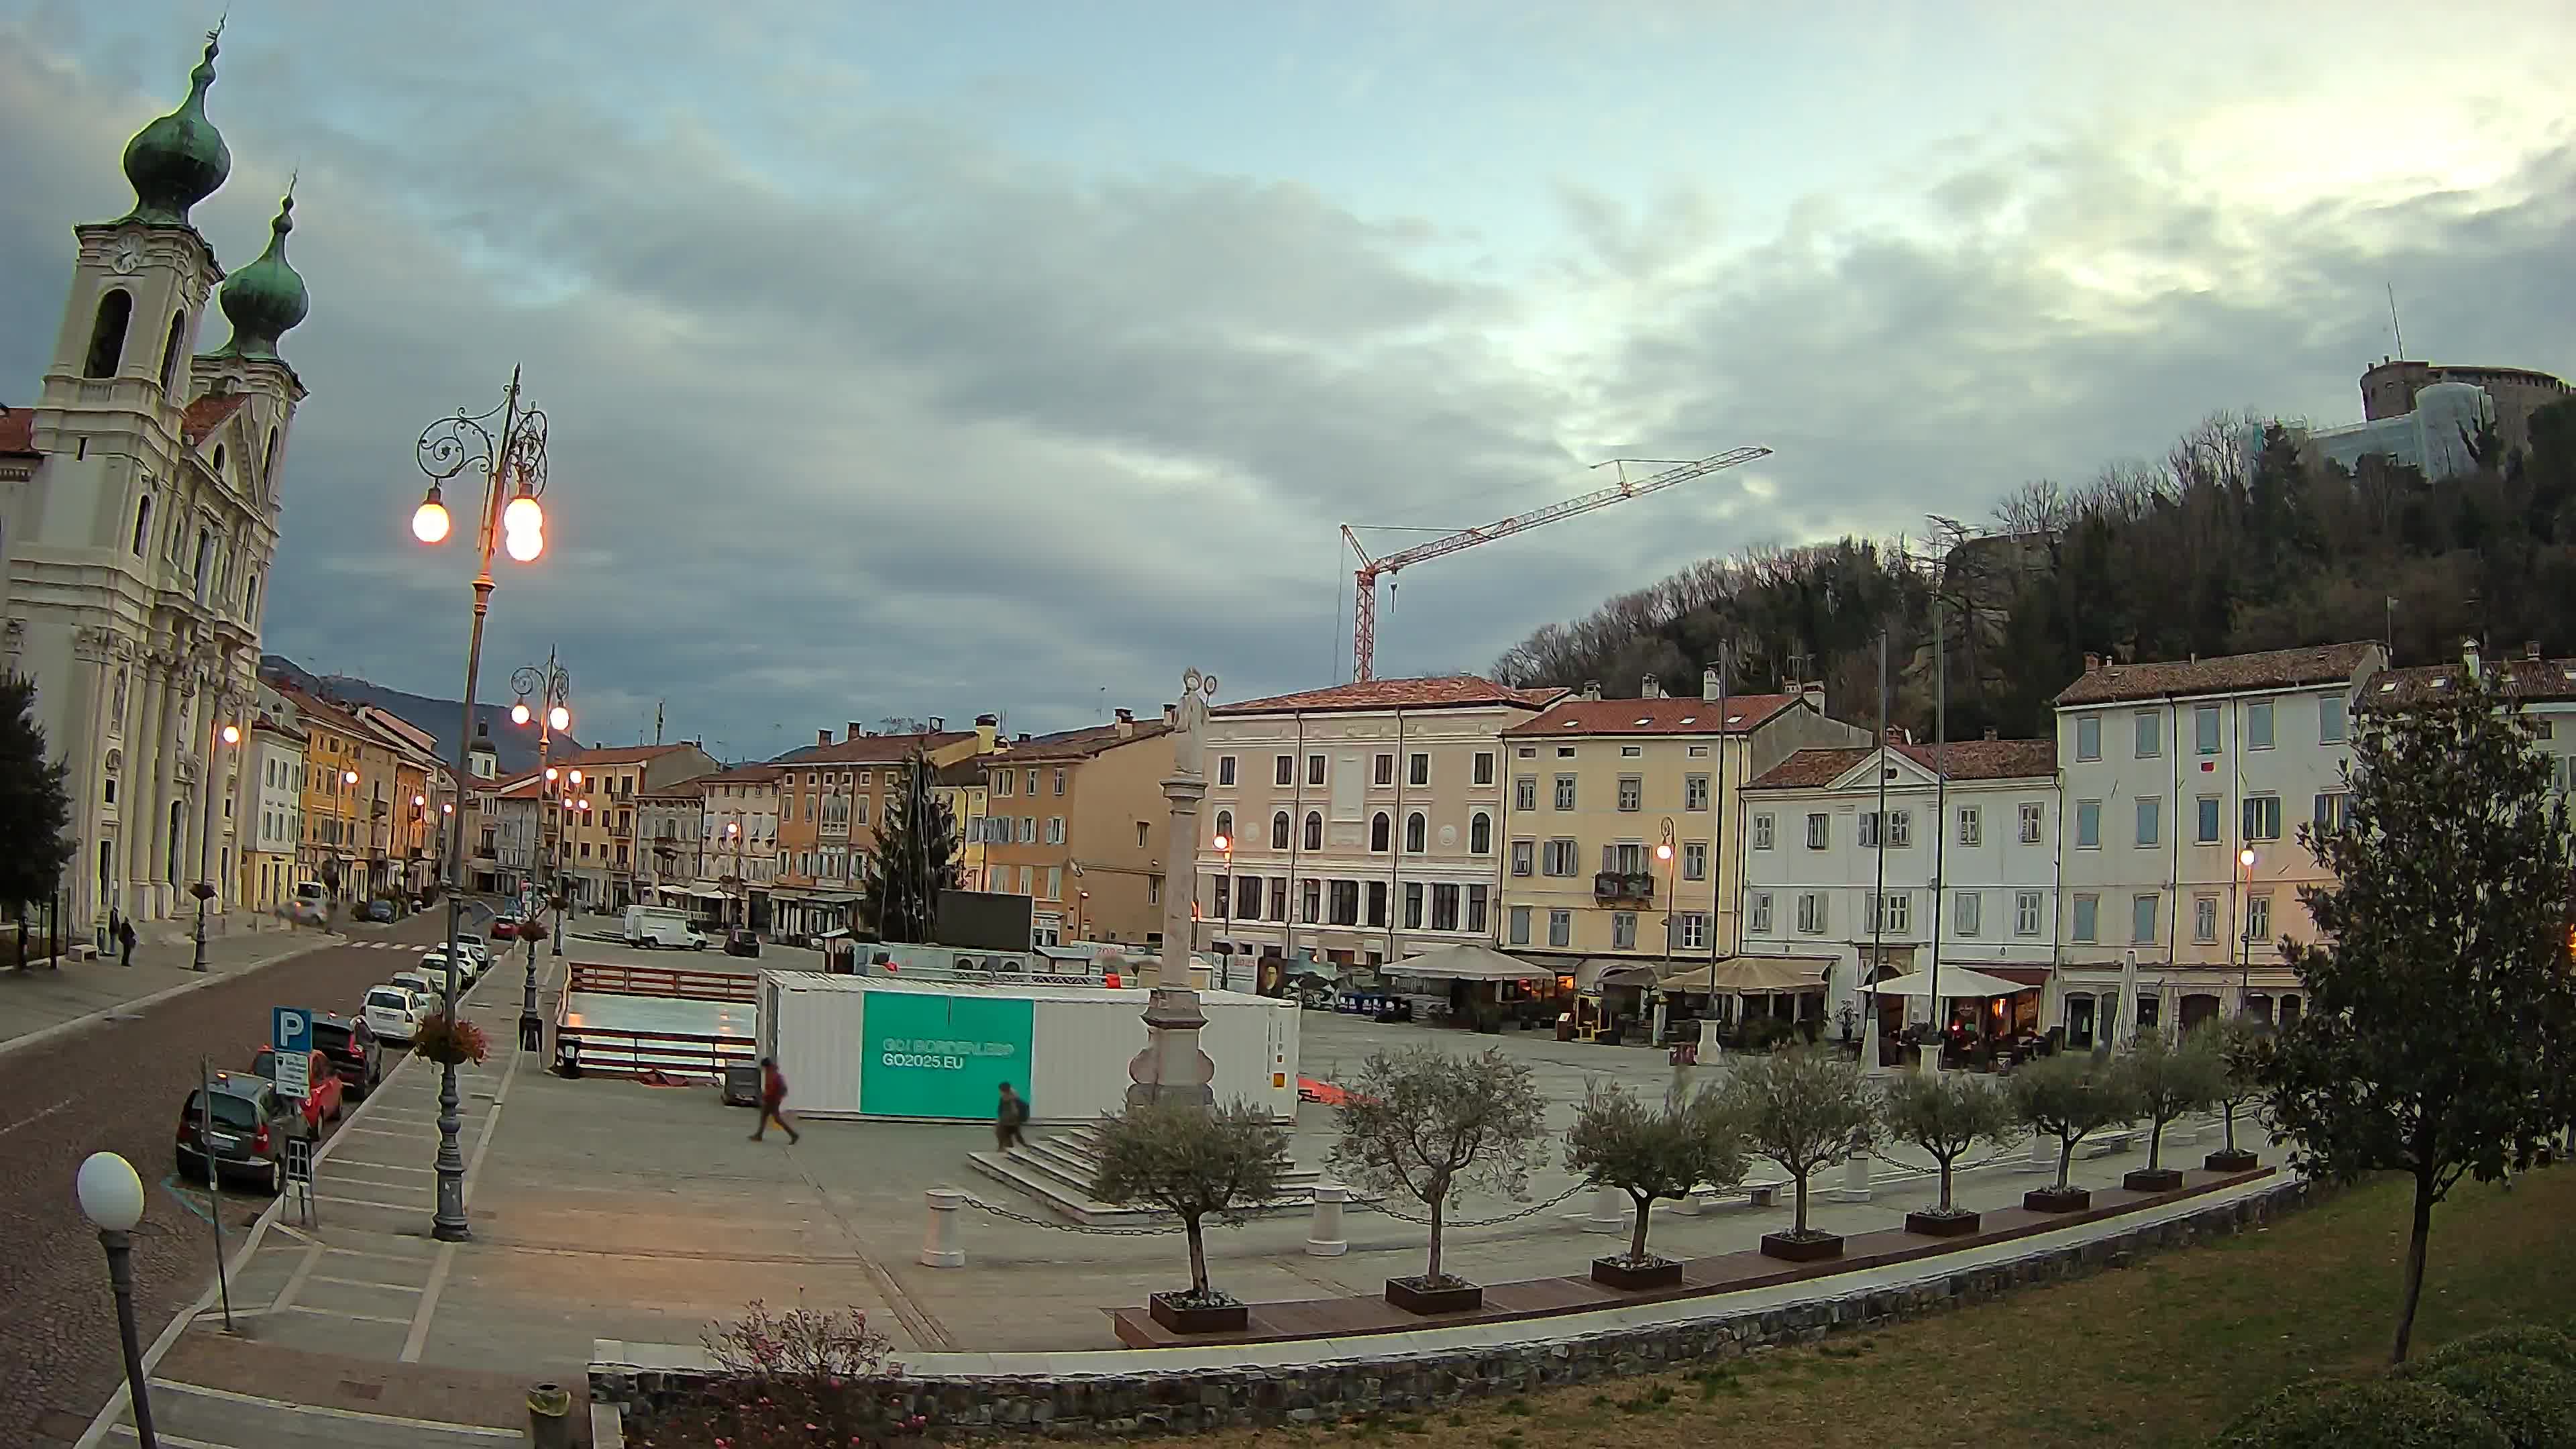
1324	1231
1609	1211
2043	1155
939	1238
1855	1186
550	1416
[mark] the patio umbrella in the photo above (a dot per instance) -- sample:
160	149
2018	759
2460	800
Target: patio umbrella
2124	1031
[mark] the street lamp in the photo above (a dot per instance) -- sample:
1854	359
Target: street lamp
1664	856
733	833
1225	847
513	465
204	889
551	686
2245	936
111	1197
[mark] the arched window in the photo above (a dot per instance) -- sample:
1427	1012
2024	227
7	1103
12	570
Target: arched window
1225	826
178	822
142	524
1480	834
170	350
1379	828
268	465
107	334
1415	829
1314	830
1279	831
219	460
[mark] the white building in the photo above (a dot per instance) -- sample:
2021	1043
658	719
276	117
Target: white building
1963	867
275	810
138	517
2174	774
2544	689
1319	793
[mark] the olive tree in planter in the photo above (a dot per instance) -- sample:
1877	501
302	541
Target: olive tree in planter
1651	1153
1194	1164
1805	1109
1432	1126
1948	1115
2167	1079
2241	1044
2069	1098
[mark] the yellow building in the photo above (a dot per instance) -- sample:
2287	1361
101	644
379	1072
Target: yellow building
965	788
1086	823
596	801
333	847
1597	788
832	801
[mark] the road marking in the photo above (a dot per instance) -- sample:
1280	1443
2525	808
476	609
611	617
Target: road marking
36	1117
479	1431
388	1257
374	1131
428	1304
295	1281
347	1162
336	1313
398	1207
175	1441
366	1283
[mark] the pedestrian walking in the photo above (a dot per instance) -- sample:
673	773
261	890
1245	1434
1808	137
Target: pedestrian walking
773	1102
1008	1116
125	941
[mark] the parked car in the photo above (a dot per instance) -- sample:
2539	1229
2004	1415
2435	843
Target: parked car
245	1138
505	928
477	954
433	965
393	1011
324	1097
357	1058
651	926
379	911
742	943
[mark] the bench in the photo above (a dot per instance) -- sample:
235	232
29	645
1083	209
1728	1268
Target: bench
1762	1193
2118	1139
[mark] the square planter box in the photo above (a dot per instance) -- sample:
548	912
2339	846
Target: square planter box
1414	1296
1616	1273
1801	1250
1942	1225
1201	1318
2239	1160
2050	1200
2159	1179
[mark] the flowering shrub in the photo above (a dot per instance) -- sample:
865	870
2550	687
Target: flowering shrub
450	1043
801	1378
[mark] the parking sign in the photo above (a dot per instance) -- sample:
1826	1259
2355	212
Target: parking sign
291	1033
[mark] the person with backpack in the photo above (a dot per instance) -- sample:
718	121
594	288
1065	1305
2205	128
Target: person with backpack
1008	1117
125	940
773	1102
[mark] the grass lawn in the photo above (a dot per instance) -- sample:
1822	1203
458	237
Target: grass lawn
2163	1353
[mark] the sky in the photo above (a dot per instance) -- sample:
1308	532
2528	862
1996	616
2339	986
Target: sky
919	361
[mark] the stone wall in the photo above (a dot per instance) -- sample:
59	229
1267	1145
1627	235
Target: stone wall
1350	1388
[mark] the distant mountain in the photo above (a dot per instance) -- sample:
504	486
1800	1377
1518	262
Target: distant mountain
516	746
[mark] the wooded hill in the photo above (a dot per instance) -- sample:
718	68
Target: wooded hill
2219	548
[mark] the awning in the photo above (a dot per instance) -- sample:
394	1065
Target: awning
707	892
1751	976
1956	981
1601	971
1466	963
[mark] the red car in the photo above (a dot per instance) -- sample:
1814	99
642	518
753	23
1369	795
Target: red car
504	928
322	1093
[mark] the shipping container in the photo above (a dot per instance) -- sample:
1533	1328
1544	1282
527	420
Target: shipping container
861	1046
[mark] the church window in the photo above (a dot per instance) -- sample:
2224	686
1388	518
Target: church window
268	463
142	524
107	334
170	350
219	460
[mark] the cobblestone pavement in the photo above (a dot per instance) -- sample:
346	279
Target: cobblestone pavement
118	1085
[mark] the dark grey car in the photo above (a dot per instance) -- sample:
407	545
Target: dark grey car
244	1122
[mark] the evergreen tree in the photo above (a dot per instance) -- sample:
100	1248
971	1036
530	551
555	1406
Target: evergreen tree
916	859
2442	1012
35	809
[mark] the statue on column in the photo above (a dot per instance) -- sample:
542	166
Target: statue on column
1172	1068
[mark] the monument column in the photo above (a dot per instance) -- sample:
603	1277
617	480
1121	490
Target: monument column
1172	1069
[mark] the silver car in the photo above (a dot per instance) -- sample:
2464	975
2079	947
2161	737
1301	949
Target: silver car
393	1012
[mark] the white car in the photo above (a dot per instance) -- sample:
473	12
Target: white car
433	971
393	1012
477	953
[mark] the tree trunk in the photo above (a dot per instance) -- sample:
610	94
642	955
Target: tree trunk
2227	1112
2423	1229
2065	1161
1801	1226
1198	1255
1431	1275
1637	1239
1945	1184
2156	1145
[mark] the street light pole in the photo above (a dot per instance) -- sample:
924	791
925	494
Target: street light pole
111	1197
553	688
204	889
514	474
2245	932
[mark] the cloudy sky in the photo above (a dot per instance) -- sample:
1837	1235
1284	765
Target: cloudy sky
925	360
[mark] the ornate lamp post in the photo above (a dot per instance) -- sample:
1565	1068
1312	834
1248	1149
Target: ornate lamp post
513	464
2245	934
551	687
204	889
111	1197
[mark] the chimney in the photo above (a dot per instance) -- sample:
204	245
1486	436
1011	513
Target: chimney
1896	734
1709	684
1990	732
1171	716
2469	655
853	730
822	737
939	724
2092	663
1126	724
1591	689
988	729
1650	688
1023	739
2531	649
1813	692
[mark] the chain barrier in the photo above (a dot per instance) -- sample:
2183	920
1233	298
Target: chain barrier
1446	1224
1006	1213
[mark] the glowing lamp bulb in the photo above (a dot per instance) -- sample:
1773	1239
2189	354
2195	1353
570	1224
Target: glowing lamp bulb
524	544
348	777
232	735
519	713
2245	857
524	515
550	772
576	777
1224	843
559	717
429	520
1663	852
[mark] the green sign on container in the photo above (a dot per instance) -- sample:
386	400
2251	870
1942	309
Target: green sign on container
937	1055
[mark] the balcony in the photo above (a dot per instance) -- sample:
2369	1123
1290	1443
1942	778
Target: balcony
1623	886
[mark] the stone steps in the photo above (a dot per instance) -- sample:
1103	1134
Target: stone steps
1057	1171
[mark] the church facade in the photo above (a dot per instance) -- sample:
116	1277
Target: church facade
139	508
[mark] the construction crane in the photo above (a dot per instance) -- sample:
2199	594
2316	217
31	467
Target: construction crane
1364	604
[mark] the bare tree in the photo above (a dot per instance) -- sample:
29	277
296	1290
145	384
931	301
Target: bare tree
1194	1164
1652	1153
1432	1126
1805	1109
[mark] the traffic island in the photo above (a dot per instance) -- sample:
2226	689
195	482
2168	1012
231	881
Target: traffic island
1434	1295
1637	1275
1933	1223
1807	1247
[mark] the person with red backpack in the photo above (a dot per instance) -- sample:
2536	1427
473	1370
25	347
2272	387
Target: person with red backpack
773	1102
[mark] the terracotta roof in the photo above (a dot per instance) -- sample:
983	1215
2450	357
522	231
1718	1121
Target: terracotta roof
744	775
1960	759
276	727
1654	716
17	431
208	413
339	719
694	788
1453	691
2526	679
2227	674
871	749
619	754
965	772
1079	744
523	789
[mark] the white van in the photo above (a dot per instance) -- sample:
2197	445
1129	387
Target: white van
650	926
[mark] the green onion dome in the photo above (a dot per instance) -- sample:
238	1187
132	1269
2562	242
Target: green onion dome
266	298
180	159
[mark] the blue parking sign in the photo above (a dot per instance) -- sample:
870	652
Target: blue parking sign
290	1030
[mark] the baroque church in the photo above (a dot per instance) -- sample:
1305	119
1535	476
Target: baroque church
139	509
